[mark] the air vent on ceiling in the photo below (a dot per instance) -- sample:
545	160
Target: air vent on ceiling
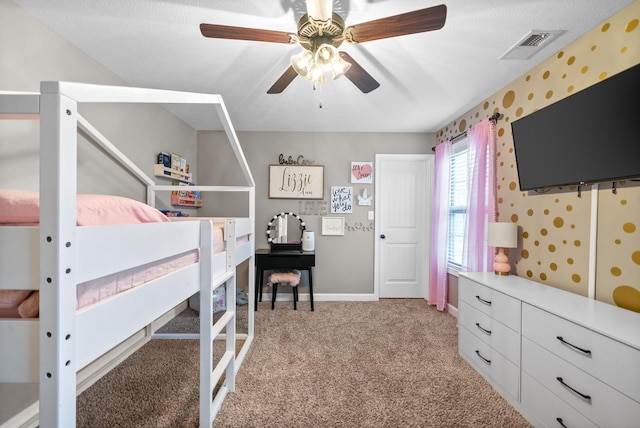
531	44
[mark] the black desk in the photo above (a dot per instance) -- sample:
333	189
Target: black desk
266	259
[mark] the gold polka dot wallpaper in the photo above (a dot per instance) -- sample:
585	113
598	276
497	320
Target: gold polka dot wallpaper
554	227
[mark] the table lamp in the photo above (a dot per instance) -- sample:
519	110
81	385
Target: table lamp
501	236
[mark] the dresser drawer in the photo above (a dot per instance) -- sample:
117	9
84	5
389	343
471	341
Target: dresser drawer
594	399
497	305
606	359
494	333
490	363
550	411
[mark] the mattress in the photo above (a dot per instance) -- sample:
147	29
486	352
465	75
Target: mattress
21	208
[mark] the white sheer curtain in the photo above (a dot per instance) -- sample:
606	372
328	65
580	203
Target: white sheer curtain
438	282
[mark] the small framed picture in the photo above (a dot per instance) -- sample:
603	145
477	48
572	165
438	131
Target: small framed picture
341	199
333	225
362	172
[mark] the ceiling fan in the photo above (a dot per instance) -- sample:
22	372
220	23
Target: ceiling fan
321	32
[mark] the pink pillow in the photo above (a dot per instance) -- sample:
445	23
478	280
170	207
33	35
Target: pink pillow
20	206
12	298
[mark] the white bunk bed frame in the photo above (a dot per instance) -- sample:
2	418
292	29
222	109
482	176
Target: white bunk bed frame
50	350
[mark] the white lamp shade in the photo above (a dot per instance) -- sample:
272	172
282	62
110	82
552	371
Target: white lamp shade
503	235
302	62
326	56
340	68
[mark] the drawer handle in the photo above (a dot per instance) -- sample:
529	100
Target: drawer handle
561	422
484	330
486	302
584	351
483	358
584	396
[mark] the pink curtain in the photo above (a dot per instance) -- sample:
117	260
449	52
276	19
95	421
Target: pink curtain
438	283
476	254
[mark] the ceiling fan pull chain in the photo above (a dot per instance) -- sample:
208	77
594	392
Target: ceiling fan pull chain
320	90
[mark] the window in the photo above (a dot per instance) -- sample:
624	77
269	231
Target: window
458	199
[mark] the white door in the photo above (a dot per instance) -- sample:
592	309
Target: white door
402	208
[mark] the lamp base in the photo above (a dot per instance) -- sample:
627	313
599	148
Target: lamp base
501	264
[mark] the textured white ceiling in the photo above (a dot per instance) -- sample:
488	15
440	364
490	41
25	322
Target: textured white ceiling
426	80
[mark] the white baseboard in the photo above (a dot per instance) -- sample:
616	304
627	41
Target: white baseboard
287	297
452	310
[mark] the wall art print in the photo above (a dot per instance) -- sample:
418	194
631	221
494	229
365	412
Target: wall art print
341	199
333	226
362	172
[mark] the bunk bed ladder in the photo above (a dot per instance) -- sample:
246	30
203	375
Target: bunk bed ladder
211	377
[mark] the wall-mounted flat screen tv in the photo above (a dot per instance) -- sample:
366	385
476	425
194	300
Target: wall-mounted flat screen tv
588	137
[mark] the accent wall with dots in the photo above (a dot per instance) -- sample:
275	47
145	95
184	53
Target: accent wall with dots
554	227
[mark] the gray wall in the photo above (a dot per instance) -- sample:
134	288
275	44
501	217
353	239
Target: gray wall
30	53
344	264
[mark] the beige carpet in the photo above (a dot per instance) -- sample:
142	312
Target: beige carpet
392	363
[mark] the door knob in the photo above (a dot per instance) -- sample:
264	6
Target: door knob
382	236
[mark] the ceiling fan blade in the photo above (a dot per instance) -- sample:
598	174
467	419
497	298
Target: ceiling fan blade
240	33
359	75
284	80
418	21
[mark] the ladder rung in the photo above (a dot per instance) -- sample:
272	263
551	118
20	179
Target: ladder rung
221	323
226	359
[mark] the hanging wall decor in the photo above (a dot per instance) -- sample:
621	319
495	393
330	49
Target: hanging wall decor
333	225
364	198
341	199
362	172
296	181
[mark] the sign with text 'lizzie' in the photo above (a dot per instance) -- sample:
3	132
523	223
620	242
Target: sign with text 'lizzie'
296	181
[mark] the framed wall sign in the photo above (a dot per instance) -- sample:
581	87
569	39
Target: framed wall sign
341	199
362	172
333	225
296	181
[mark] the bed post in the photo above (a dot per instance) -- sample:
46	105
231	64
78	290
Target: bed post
206	322
230	374
58	142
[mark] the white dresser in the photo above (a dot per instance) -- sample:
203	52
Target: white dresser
561	359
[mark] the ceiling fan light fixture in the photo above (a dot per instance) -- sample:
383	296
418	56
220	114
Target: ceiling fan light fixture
321	26
326	56
302	62
314	65
315	74
340	68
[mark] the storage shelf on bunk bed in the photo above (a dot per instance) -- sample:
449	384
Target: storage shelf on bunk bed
185	201
160	170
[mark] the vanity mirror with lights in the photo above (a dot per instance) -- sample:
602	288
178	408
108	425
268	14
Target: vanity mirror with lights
284	231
